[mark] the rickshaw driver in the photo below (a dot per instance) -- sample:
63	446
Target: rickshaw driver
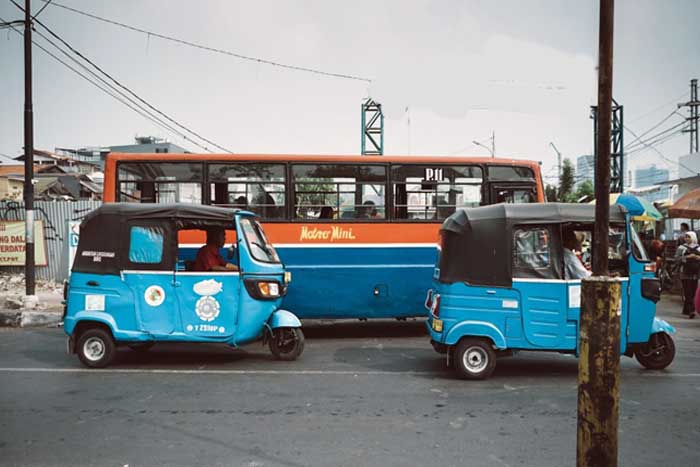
208	257
573	268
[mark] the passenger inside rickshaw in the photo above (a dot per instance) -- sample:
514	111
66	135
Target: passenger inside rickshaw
210	257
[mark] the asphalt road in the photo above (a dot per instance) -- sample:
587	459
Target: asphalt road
362	394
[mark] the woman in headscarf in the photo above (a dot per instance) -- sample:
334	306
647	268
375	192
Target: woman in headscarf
688	255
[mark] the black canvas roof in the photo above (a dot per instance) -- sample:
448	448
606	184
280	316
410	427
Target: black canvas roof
175	212
477	243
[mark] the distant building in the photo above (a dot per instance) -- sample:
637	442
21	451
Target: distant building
650	176
689	165
96	155
585	169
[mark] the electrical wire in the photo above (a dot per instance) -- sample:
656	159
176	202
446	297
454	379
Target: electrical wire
216	50
114	93
125	88
673	101
46	3
638	144
663	157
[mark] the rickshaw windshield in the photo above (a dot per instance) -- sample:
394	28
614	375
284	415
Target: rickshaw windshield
637	247
259	247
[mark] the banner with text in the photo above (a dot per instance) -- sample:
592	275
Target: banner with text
12	243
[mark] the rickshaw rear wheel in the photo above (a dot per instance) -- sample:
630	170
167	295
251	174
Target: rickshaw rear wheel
474	358
658	353
286	343
95	348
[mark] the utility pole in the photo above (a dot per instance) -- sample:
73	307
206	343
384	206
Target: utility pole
493	143
28	156
692	105
599	335
372	128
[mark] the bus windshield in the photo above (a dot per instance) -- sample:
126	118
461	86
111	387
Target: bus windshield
259	247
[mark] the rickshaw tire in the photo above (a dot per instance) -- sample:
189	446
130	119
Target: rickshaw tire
658	362
141	346
99	337
479	349
290	351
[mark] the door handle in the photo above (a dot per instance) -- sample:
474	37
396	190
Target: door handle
491	292
93	283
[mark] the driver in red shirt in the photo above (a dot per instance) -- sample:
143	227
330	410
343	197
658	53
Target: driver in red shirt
208	257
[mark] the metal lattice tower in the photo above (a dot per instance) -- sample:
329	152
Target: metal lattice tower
617	155
692	104
372	128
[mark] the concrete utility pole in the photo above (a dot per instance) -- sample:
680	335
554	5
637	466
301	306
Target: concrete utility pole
558	160
599	338
28	155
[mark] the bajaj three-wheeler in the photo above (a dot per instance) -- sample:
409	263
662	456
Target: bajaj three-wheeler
129	286
501	285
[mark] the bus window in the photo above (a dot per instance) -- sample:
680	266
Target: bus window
160	182
256	187
433	192
344	191
510	172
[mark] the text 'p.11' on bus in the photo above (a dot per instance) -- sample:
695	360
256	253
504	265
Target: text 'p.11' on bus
358	233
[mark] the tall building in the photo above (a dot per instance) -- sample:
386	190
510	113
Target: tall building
648	176
585	169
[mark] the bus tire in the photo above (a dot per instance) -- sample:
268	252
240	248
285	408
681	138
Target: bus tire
474	358
658	353
95	348
286	343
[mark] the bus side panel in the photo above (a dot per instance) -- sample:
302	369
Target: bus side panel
357	282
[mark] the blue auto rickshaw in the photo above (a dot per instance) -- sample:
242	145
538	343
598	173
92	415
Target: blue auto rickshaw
129	285
500	286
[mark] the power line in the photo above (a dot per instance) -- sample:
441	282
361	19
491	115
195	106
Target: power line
662	134
658	124
216	50
672	101
112	92
46	3
659	152
119	84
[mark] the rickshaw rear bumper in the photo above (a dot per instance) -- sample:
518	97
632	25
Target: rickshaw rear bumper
283	319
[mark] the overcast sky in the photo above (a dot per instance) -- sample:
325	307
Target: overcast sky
446	73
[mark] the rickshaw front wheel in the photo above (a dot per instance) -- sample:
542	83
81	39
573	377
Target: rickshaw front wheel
95	348
658	353
474	358
286	343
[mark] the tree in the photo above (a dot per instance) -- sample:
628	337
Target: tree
550	192
584	189
566	182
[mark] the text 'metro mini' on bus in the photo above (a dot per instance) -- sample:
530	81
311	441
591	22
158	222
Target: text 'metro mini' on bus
358	233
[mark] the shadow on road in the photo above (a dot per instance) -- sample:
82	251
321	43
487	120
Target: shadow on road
326	329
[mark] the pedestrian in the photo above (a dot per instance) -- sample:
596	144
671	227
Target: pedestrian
681	237
688	255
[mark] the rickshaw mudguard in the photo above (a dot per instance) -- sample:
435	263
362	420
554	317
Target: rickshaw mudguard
660	325
477	329
70	323
283	319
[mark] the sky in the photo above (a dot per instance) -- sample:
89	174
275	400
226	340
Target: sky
447	73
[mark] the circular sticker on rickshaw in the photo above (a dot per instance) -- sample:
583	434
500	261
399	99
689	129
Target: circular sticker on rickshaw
154	295
207	308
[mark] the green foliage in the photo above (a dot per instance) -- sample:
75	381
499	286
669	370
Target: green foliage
584	189
566	182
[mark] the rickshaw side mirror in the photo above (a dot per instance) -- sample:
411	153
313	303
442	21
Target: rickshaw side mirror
231	252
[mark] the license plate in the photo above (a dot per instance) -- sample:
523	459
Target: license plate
287	277
437	325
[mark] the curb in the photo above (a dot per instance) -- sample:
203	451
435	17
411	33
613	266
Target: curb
26	318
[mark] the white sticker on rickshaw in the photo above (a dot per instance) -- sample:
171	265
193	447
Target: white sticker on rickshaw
95	303
204	328
154	295
510	304
575	296
207	308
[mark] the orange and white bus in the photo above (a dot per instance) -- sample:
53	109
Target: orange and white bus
358	233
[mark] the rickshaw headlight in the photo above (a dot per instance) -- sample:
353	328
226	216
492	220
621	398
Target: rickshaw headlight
269	289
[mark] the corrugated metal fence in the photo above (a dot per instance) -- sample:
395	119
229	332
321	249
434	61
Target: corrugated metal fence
55	215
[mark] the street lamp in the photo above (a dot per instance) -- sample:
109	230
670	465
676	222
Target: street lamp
484	146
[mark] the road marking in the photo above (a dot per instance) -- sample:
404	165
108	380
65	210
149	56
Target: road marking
287	372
